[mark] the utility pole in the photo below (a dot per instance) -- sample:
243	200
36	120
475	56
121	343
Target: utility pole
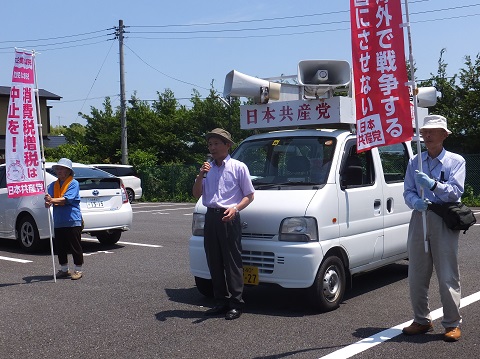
123	102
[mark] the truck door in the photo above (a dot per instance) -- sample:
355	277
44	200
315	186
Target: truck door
360	206
394	160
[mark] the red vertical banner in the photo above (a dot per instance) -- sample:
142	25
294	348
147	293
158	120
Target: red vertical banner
22	150
382	102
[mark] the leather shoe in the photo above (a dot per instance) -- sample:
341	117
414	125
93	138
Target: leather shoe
233	314
417	328
218	309
452	334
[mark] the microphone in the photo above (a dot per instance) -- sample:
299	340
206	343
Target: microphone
209	159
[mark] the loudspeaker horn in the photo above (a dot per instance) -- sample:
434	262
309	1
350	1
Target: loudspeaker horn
427	96
319	76
241	85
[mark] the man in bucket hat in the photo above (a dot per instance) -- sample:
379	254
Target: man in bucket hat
226	189
442	180
64	196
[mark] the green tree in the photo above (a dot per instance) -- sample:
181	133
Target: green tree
75	133
103	133
75	152
459	103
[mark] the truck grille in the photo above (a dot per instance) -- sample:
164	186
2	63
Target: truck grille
257	235
265	261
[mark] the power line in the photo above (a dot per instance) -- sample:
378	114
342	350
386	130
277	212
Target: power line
271	19
57	43
285	34
46	45
164	74
96	77
58	37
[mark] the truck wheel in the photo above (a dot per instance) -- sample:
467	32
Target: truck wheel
27	234
109	236
329	287
204	286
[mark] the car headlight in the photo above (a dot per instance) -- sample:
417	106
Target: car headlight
198	223
298	229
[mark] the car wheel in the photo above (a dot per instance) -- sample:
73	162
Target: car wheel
204	286
109	236
329	287
27	234
131	195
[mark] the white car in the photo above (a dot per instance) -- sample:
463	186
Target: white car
133	183
104	204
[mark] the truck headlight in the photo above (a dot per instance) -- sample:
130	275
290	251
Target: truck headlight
298	229
198	223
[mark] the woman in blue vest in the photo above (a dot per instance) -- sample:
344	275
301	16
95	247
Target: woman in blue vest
64	196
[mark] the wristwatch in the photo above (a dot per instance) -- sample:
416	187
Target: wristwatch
236	209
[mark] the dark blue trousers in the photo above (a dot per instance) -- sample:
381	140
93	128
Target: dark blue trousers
223	248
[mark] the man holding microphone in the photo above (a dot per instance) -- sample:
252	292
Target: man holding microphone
226	190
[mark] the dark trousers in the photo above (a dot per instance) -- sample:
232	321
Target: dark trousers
223	248
68	239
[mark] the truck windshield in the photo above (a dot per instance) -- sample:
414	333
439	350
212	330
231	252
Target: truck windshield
287	160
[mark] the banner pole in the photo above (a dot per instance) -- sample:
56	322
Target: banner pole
42	153
413	86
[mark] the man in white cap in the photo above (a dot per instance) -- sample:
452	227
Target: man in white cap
64	196
226	189
441	180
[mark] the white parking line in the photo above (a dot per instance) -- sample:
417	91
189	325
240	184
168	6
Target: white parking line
129	243
163	210
388	334
141	244
15	260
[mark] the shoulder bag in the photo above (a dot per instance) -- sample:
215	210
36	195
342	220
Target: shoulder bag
456	215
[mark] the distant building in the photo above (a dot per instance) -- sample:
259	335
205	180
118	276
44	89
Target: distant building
44	112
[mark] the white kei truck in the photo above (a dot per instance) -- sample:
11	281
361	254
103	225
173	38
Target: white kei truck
322	212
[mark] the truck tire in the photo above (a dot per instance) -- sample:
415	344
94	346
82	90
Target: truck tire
204	286
27	234
329	286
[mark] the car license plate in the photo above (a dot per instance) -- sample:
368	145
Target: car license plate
250	275
94	203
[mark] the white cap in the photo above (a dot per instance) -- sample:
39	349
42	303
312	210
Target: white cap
435	121
64	162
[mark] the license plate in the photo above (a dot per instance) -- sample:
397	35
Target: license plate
94	203
250	275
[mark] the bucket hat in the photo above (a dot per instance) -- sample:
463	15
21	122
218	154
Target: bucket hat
220	133
435	121
64	162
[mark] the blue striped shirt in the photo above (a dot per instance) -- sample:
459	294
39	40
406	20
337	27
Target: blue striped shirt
450	185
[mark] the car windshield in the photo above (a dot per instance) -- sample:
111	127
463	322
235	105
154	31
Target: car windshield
287	160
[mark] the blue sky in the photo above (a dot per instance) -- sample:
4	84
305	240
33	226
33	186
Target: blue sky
78	57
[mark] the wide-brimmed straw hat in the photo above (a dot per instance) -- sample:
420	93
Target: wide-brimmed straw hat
220	133
64	162
435	121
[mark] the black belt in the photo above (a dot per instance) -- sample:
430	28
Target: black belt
216	210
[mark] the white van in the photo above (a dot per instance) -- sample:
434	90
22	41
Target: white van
322	212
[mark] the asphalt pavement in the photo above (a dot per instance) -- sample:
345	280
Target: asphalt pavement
137	299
